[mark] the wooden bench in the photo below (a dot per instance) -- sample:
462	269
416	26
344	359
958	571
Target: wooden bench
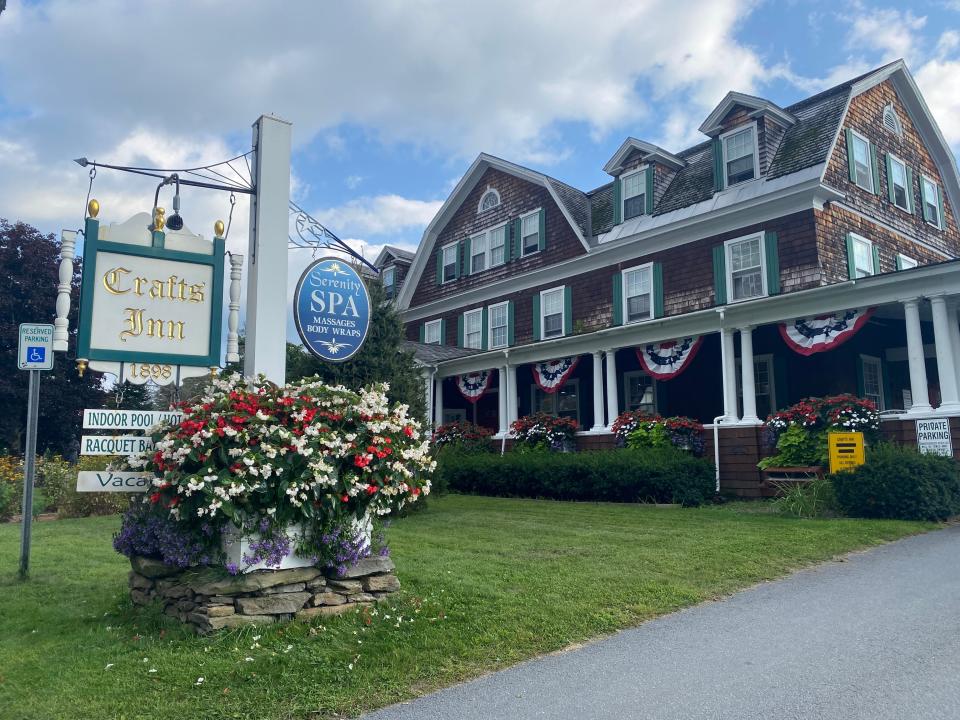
777	477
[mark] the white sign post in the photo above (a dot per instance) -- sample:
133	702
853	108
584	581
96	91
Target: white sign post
933	437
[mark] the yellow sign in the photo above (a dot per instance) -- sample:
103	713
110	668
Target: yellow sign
846	450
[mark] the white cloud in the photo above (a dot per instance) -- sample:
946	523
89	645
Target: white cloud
379	215
889	31
353	181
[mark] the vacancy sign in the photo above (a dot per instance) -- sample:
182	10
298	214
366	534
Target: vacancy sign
35	347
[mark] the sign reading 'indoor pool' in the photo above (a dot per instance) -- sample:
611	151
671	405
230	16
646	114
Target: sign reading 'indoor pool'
331	309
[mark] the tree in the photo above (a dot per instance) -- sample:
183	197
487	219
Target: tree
128	396
381	359
29	274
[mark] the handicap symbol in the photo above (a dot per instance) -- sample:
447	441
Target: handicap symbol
36	354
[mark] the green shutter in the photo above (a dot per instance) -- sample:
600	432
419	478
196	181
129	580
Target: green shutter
649	191
439	266
483	329
851	159
443	331
891	196
910	200
861	385
657	274
781	387
517	238
923	199
423	332
510	324
617	299
467	259
717	165
536	316
720	275
460	330
943	218
617	202
567	310
772	258
874	170
851	259
876	259
542	242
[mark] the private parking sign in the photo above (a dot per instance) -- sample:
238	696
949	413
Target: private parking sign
35	347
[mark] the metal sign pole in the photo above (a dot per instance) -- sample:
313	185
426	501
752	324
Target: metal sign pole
29	469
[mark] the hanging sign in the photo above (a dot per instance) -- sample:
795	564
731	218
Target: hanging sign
474	385
552	374
113	481
114	444
823	332
128	419
331	309
933	437
667	359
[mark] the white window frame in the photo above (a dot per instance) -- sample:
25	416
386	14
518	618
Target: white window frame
869	243
907	262
869	187
908	190
523	248
563	313
573	382
443	262
625	299
487	192
756	153
872	359
482	236
729	266
390	271
627	377
479	313
936	186
427	326
757	359
643	193
487	236
490	308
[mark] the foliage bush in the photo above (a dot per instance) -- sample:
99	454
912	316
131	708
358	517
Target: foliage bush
798	447
899	482
542	431
662	475
59	482
636	430
807	500
463	435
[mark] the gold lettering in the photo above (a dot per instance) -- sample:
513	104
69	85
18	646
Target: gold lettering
111	280
158	290
138	283
173	330
196	292
134	321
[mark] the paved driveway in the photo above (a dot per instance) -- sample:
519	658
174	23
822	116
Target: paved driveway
876	636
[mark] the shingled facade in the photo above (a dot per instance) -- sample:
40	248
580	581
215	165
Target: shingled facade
844	201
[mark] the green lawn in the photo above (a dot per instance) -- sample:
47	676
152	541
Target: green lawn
487	583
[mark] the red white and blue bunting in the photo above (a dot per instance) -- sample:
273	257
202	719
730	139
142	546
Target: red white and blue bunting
667	359
824	332
552	374
474	386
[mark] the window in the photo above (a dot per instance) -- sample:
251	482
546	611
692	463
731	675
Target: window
639	392
638	293
745	269
740	155
551	313
872	380
563	403
862	256
478	253
431	333
634	188
530	232
473	329
452	415
387	276
490	199
905	262
861	171
450	258
763	384
899	187
498	243
931	201
498	317
891	121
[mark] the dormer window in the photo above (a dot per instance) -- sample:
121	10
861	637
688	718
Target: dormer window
387	276
633	188
490	200
740	156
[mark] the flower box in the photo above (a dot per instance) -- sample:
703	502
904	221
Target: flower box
237	544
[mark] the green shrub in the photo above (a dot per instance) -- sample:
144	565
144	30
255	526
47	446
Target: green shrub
59	482
899	482
660	475
807	500
9	501
798	446
648	435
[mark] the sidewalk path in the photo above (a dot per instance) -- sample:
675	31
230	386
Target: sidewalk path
876	636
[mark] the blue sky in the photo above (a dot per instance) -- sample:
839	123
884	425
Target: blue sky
392	100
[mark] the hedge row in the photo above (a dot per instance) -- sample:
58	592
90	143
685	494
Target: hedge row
663	475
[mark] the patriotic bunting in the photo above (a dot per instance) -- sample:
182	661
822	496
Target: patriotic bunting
474	385
823	332
667	359
552	374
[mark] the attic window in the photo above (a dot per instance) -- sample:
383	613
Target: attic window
490	199
740	155
891	121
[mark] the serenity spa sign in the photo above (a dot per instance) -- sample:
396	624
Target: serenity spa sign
331	309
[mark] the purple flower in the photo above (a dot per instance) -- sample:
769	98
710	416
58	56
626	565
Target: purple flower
232	568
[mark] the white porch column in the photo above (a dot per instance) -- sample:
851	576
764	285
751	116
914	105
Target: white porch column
915	361
438	406
612	404
502	423
512	410
952	318
427	375
729	367
747	378
597	391
946	369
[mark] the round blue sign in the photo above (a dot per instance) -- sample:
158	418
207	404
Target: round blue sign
331	309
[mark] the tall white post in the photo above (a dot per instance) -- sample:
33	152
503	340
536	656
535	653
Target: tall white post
613	405
747	378
233	317
915	359
728	366
512	409
265	349
502	424
427	374
598	425
946	369
952	319
61	329
438	406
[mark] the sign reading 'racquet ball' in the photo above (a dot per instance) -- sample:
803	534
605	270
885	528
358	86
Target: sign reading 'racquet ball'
331	309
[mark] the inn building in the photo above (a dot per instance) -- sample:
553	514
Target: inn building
796	251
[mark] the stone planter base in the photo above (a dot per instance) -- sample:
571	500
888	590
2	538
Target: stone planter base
210	599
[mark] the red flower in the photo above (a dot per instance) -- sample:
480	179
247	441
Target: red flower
408	431
372	489
345	498
155	498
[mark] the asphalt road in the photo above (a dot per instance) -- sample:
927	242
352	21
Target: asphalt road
876	636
